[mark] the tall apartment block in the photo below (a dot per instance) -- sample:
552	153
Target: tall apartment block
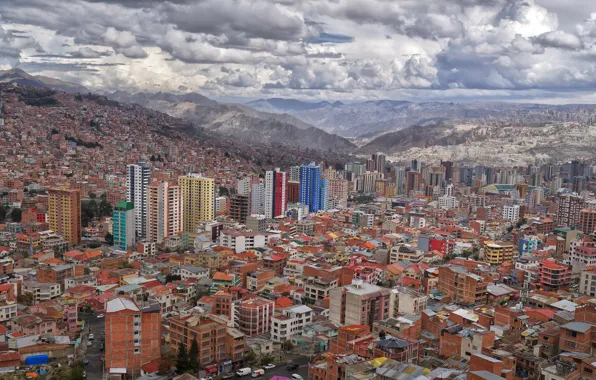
164	211
64	214
276	201
137	182
198	200
359	304
123	226
239	207
133	336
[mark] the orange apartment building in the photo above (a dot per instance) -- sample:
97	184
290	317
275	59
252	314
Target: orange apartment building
254	316
217	343
461	286
133	337
64	214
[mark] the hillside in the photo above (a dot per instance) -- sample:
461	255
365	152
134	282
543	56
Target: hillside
489	144
240	121
20	77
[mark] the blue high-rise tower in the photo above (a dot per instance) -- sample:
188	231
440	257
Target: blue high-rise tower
310	186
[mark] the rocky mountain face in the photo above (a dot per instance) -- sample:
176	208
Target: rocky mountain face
493	144
20	77
240	121
366	120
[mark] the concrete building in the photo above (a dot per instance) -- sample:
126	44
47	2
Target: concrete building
276	201
290	322
587	221
256	223
405	252
123	226
317	288
407	300
241	241
243	186
133	336
198	200
257	199
568	210
253	316
64	214
42	292
455	282
212	336
587	282
553	276
496	253
137	180
310	186
358	304
239	207
164	212
511	213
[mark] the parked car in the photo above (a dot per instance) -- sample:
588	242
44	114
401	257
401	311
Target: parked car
269	366
292	367
85	361
228	376
100	316
258	372
89	343
91	336
296	377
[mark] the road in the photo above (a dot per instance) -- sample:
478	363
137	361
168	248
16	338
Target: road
95	326
280	370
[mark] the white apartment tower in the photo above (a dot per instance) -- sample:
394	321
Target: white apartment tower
137	181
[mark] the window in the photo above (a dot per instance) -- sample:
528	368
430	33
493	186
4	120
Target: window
137	350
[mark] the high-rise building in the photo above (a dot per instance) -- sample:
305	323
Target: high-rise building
568	209
123	226
511	213
367	182
198	200
310	186
380	162
412	182
137	181
257	199
133	336
293	191
239	207
243	186
338	189
324	194
587	221
164	212
358	304
276	201
64	214
448	165
294	174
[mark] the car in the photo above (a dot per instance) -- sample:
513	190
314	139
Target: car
269	366
89	344
85	361
84	374
228	376
100	316
296	376
91	336
292	367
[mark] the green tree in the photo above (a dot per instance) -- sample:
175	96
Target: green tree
250	357
16	215
92	195
193	356
182	360
77	372
109	238
267	359
3	213
105	208
223	191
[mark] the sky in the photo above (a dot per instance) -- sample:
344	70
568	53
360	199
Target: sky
422	50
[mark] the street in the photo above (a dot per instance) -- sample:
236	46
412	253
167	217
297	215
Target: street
280	370
96	326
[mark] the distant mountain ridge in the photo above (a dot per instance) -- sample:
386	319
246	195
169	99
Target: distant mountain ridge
280	105
238	120
20	77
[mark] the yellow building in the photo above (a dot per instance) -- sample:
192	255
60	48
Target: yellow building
497	253
198	200
64	214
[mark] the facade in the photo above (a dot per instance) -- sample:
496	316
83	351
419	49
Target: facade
310	186
42	291
338	190
405	252
455	282
198	200
253	316
276	201
317	288
257	199
293	191
123	226
358	304
241	241
64	214
587	221
137	181
553	276
239	207
290	322
496	253
568	210
164	212
587	282
133	336
511	213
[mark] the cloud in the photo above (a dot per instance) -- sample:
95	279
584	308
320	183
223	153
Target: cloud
355	48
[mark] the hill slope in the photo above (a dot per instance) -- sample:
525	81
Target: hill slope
20	77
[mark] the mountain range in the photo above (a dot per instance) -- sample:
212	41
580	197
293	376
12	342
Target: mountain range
20	77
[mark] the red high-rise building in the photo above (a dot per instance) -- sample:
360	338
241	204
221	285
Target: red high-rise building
293	192
276	200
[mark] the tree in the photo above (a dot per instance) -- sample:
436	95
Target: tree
105	208
16	215
267	359
25	299
109	238
250	356
223	191
3	212
172	278
287	345
182	360
92	195
193	356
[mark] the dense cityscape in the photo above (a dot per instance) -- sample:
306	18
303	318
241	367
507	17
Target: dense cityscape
149	258
297	189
